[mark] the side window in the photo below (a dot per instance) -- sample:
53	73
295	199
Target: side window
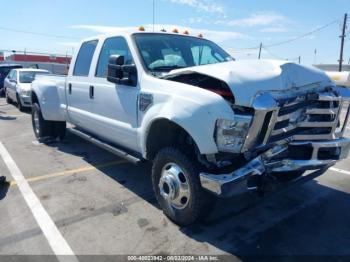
83	62
112	46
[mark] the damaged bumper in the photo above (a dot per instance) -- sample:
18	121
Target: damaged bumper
316	155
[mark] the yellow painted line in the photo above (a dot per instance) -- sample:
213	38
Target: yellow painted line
71	171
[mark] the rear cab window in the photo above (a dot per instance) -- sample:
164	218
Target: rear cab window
84	58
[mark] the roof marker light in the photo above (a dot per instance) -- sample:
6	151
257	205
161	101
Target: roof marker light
175	31
200	36
186	32
142	28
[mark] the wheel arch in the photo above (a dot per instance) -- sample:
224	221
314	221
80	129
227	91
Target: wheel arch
46	94
163	132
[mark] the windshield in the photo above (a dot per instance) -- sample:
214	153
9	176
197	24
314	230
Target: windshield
28	76
163	52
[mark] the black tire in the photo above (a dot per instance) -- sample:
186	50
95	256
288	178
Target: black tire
199	201
42	128
59	129
288	176
19	104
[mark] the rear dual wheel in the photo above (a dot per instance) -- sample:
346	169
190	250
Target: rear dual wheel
44	129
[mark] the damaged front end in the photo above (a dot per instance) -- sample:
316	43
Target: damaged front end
288	132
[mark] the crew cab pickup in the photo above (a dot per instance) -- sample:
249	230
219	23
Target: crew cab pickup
211	126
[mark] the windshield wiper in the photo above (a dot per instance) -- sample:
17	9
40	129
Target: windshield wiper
167	68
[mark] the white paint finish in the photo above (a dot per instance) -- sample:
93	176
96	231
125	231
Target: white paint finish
50	91
56	241
345	172
248	77
114	116
194	109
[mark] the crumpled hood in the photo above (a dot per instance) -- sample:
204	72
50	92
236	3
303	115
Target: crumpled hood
247	77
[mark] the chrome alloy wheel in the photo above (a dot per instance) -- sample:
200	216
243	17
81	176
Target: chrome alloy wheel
36	121
174	186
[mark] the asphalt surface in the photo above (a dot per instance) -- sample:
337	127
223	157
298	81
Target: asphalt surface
103	205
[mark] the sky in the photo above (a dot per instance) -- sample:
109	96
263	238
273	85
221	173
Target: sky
239	26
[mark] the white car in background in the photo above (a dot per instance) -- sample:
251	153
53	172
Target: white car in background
17	86
340	78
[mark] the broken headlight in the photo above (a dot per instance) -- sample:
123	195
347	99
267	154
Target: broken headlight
231	134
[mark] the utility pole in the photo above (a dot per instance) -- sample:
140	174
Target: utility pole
260	51
342	43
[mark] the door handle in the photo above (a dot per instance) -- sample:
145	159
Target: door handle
91	92
69	88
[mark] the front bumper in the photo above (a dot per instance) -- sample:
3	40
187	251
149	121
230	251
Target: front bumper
321	154
26	100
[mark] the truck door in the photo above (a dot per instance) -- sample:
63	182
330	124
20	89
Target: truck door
114	106
78	84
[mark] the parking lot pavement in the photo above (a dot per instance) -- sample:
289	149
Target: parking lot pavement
101	204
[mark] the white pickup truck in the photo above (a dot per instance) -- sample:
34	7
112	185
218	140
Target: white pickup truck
211	126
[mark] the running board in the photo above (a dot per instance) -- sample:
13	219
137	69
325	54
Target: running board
104	145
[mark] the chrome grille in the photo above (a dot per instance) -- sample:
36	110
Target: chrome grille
307	117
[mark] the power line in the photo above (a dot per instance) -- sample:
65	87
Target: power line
273	55
304	35
293	39
37	33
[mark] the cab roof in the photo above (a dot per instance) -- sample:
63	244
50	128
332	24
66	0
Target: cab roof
128	33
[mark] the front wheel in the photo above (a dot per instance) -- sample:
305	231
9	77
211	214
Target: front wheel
19	104
177	187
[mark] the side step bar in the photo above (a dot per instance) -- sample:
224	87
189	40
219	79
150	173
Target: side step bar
105	146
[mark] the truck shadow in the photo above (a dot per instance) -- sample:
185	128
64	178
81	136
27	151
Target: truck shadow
308	219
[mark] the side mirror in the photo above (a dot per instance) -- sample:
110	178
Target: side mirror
119	73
